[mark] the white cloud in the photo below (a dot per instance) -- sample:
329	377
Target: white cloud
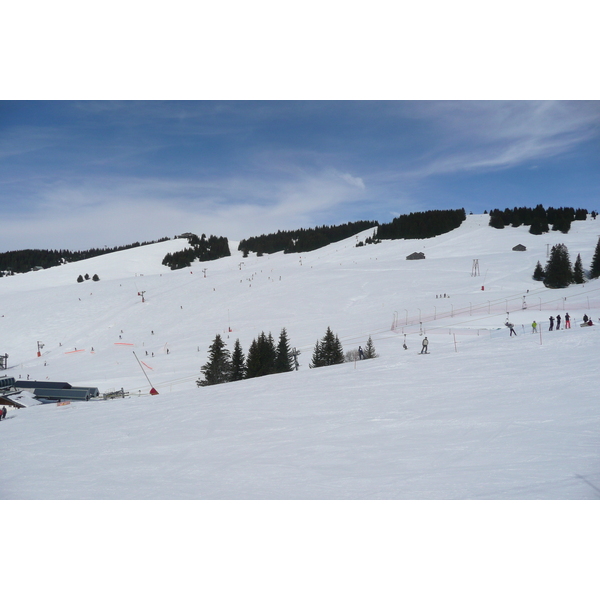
500	135
356	181
118	211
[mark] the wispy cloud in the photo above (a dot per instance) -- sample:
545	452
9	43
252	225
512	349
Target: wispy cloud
488	135
25	140
112	173
110	211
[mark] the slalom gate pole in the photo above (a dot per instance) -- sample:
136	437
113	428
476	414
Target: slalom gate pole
153	391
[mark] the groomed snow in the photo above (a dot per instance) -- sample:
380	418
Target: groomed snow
483	416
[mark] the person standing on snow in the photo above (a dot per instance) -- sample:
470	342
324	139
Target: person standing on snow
511	327
3	413
361	354
557	322
567	321
551	324
534	327
425	345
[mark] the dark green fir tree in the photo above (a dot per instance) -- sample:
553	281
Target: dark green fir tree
238	362
538	273
538	226
595	266
218	368
559	273
283	358
370	349
578	276
328	351
261	357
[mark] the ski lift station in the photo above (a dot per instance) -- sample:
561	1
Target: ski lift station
49	391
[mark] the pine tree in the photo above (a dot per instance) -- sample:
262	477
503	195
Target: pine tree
218	368
559	273
238	362
328	351
538	226
261	357
595	266
96	278
80	279
496	221
317	360
253	361
370	349
538	273
578	276
283	358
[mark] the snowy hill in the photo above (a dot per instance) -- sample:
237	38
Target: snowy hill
482	416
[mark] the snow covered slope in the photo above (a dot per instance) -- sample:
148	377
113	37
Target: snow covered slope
482	416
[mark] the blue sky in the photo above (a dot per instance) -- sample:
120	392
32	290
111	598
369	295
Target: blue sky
76	174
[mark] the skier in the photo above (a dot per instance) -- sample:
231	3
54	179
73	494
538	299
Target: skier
567	321
361	354
585	318
551	324
425	344
557	322
511	327
534	327
4	411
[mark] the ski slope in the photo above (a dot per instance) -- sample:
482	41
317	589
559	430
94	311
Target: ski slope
483	416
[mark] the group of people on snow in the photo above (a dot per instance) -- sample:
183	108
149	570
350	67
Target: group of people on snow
558	320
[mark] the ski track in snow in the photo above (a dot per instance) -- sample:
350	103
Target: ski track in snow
483	416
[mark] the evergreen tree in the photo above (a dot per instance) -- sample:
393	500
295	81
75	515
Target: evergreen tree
578	276
261	357
238	362
96	278
538	226
218	368
80	279
562	224
270	354
559	273
370	349
253	361
328	351
317	360
496	221
595	266
538	273
283	358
